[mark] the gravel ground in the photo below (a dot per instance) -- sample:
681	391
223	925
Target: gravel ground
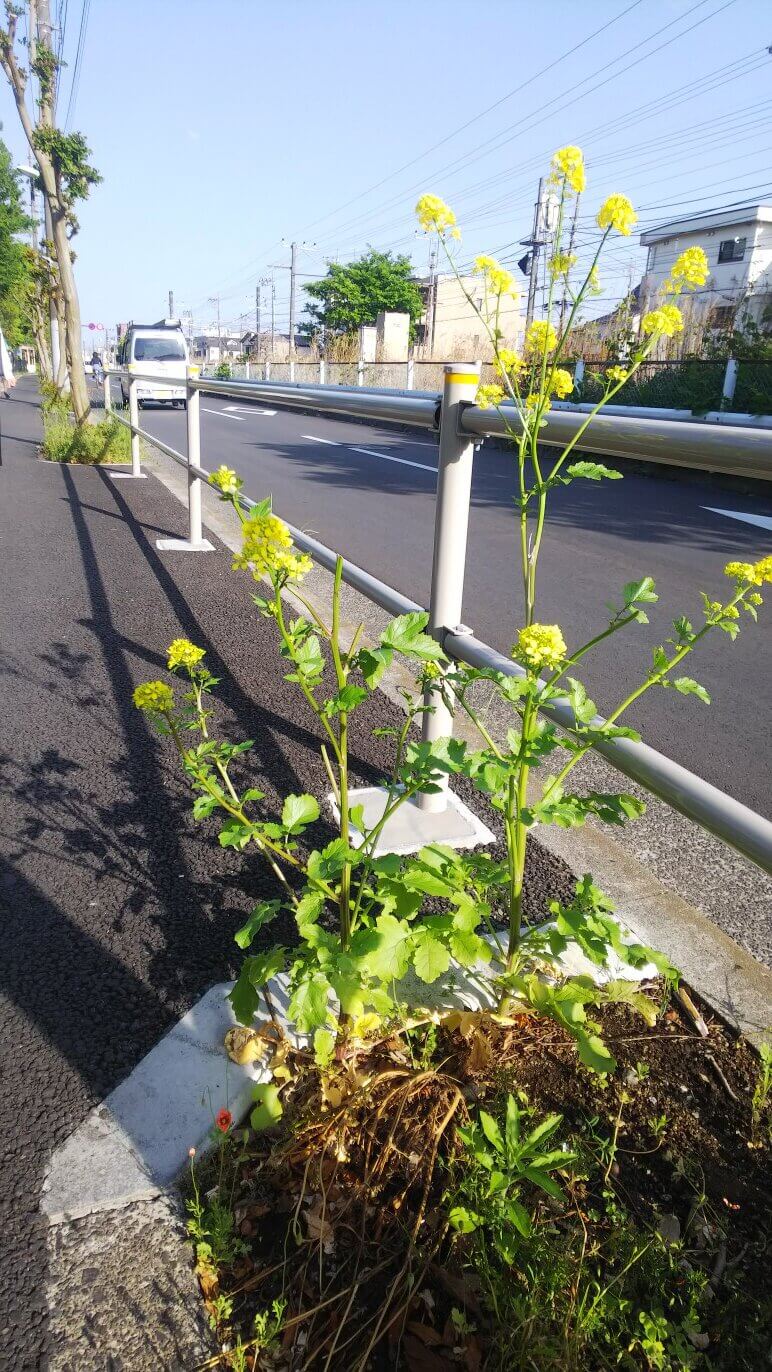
118	912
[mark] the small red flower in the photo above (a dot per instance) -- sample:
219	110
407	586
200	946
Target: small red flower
224	1120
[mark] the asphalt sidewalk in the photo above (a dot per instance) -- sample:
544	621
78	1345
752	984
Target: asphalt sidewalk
118	911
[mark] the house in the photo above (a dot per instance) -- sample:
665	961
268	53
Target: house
450	329
206	347
738	244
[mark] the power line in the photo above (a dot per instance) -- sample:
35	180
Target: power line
78	62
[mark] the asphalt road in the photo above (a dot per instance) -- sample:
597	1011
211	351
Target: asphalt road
368	491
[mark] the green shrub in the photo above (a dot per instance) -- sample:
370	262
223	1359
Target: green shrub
64	441
223	371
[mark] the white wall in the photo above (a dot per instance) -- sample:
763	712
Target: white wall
727	280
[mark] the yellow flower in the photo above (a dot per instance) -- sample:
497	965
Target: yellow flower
763	570
753	598
617	373
153	695
183	653
507	362
536	401
267	549
226	480
569	162
617	213
541	337
496	276
667	320
561	263
744	571
690	270
488	396
540	645
562	383
434	215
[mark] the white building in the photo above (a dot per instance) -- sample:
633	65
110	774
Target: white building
738	245
451	330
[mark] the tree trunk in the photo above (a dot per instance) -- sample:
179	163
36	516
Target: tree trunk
61	376
78	387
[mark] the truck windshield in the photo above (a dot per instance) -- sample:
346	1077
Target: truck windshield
159	350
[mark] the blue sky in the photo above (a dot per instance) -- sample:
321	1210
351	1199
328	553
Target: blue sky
222	131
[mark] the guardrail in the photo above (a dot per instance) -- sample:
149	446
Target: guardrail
460	425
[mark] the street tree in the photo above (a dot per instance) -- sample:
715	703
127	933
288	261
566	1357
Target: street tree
66	175
354	293
15	281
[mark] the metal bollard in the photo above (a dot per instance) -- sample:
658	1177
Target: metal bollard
730	380
195	530
451	522
134	422
322	371
578	372
268	370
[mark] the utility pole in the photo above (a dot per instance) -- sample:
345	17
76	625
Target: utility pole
171	304
263	281
273	315
535	242
571	241
293	273
215	300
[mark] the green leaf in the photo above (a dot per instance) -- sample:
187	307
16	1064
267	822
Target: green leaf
299	811
468	948
309	1005
373	663
628	993
640	592
204	805
356	816
544	1181
463	1220
329	863
309	908
263	913
235	834
593	471
387	945
405	635
689	687
492	1132
512	1125
268	1108
518	1216
255	973
594	1053
430	958
324	1047
345	701
582	706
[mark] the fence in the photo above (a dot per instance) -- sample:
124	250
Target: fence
460	423
693	385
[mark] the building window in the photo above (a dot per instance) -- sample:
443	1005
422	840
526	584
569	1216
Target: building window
732	250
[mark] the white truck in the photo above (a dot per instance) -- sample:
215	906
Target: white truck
155	350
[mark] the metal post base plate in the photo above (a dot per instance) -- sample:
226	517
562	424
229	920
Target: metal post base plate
183	545
410	829
127	476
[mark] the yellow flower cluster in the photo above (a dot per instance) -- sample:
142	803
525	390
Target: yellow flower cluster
435	216
617	213
153	695
540	645
568	162
267	549
561	383
508	363
541	337
183	653
689	270
561	263
667	320
497	278
617	373
226	480
489	396
751	573
536	401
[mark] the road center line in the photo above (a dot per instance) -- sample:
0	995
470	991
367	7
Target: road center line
224	415
403	461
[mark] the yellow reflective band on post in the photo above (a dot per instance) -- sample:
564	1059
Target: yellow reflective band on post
465	378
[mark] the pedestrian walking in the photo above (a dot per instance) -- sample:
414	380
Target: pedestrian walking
7	378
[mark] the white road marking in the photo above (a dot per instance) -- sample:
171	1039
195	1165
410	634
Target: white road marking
333	443
403	461
763	521
224	415
249	409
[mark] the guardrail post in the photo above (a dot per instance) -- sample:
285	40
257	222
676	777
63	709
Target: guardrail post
246	370
360	373
134	421
410	373
322	370
195	542
451	522
578	372
730	380
268	370
107	395
292	369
